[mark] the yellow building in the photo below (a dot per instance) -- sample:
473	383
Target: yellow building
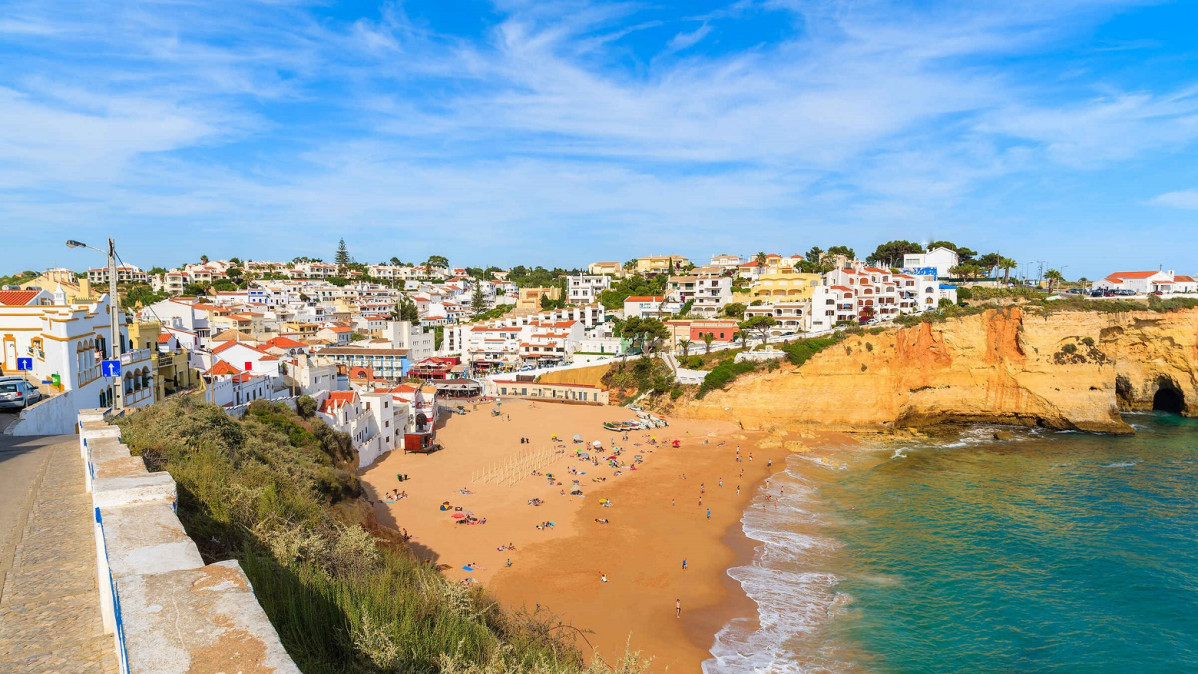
600	268
660	264
76	290
170	367
530	298
788	284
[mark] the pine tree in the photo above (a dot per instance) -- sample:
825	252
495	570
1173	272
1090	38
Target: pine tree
478	303
342	257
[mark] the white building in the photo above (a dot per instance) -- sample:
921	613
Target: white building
646	306
934	263
124	274
585	289
65	344
1142	282
709	293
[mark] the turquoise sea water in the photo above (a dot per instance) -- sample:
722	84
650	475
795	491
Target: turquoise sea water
1055	552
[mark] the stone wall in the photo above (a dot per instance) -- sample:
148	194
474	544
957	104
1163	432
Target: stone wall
166	609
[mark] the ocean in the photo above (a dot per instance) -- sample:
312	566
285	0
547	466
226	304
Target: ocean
1052	552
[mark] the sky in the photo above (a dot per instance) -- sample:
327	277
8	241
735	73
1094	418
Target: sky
1062	133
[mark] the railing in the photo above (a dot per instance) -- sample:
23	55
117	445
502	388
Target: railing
135	356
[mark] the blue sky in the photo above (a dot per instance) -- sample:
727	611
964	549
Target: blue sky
517	131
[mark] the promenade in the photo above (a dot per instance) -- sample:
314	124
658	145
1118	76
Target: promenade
49	604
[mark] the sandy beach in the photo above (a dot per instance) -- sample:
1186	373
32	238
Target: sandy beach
655	521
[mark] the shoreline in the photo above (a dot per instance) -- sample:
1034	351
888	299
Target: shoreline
559	568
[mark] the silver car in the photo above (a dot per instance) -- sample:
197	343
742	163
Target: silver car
16	393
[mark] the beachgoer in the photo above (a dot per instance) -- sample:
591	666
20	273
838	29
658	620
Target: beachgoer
721	482
709	513
509	561
702	489
738	490
684	564
769	463
677	608
603	576
672	502
750	456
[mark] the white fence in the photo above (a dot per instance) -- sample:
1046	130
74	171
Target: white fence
509	471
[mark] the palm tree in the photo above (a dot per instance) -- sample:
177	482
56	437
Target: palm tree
1052	276
760	258
685	344
1007	264
708	338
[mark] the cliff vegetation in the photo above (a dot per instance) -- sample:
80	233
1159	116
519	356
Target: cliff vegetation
278	492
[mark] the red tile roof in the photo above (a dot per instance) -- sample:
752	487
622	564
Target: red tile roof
222	368
1183	279
644	298
285	343
17	298
164	339
1133	274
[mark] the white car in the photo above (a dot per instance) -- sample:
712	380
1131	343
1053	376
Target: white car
16	393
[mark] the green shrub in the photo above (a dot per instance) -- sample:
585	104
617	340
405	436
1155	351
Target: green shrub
1069	348
801	350
675	393
1088	341
723	373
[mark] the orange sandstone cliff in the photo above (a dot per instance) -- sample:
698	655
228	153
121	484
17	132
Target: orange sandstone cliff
1063	370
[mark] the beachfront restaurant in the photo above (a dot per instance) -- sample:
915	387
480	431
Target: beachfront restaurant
567	393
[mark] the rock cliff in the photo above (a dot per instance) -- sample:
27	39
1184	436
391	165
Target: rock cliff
1062	370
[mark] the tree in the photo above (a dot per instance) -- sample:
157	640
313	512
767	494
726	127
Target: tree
685	345
891	253
395	262
235	260
759	258
647	332
867	314
1007	264
708	338
156	271
406	310
814	255
734	310
203	259
630	265
341	258
478	302
1053	276
842	250
989	262
686	307
761	324
546	303
965	270
436	262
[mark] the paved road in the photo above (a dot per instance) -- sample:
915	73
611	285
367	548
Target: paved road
49	604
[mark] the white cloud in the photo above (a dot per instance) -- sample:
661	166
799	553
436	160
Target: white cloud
1187	199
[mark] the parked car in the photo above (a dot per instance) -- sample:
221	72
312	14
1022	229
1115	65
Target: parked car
16	393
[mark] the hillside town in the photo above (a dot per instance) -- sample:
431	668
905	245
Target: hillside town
384	349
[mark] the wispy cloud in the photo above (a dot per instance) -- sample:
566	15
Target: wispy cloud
626	124
1187	199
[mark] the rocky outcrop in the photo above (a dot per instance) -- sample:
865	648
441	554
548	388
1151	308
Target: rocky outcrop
1062	370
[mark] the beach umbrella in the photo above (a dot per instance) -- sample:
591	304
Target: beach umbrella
457	516
597	443
577	436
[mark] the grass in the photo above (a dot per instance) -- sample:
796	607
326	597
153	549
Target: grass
278	493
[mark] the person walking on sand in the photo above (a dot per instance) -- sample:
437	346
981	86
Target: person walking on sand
738	490
684	563
678	608
709	513
769	463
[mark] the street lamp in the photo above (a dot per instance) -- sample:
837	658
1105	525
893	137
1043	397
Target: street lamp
116	347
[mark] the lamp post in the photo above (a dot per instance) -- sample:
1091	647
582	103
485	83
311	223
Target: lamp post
116	347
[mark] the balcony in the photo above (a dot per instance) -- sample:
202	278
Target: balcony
135	356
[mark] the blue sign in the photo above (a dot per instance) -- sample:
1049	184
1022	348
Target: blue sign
110	368
921	271
24	364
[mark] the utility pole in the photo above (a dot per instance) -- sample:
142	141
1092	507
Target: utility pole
114	307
